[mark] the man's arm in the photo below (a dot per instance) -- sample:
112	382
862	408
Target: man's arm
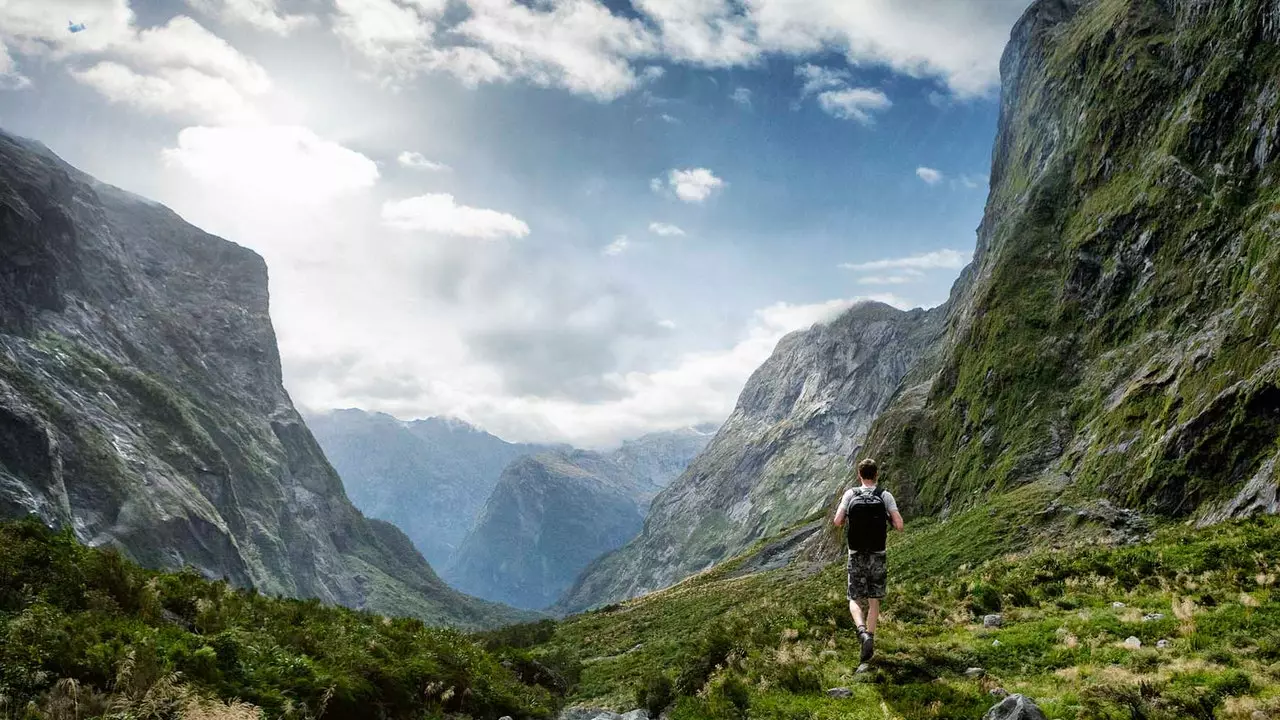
841	510
896	517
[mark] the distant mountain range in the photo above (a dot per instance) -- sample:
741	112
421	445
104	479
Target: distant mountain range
506	519
553	513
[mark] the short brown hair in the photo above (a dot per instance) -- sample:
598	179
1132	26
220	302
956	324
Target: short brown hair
867	469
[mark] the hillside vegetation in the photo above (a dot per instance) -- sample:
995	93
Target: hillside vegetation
770	645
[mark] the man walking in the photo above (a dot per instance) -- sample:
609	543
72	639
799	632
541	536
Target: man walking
866	512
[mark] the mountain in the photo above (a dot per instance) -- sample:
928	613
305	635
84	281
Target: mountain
141	404
551	514
428	477
798	423
1116	335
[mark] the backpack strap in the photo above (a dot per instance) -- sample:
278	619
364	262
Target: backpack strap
878	492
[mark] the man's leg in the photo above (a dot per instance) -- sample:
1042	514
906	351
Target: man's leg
873	614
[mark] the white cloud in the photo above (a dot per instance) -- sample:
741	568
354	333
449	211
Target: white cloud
741	96
973	181
184	93
439	214
652	73
905	277
669	119
938	259
10	78
395	37
617	247
958	41
665	229
929	175
817	79
418	161
854	103
575	44
693	185
260	14
278	163
179	68
709	33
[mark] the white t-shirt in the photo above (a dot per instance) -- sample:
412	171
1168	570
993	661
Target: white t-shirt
890	505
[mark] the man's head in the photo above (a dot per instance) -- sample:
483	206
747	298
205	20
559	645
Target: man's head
867	470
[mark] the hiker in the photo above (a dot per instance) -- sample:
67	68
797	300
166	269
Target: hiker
866	511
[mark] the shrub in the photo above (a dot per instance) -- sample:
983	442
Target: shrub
655	693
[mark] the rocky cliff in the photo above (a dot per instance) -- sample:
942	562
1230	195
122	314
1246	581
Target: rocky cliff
1117	334
141	403
799	421
552	514
428	477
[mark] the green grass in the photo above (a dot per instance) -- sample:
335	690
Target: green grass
773	643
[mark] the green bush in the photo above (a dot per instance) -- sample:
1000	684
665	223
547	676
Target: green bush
655	692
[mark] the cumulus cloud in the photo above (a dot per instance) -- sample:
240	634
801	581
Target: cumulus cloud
617	247
665	229
260	14
692	185
741	96
183	93
929	175
710	33
936	260
285	164
418	161
439	214
817	78
904	276
10	78
178	68
854	103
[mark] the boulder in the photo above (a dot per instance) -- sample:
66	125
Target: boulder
1162	644
840	692
637	714
1117	605
1132	642
992	621
974	672
1015	707
1152	617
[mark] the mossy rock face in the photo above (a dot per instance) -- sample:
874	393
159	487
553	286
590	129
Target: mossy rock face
141	404
1119	324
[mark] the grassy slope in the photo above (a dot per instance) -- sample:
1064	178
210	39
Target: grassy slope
774	642
83	628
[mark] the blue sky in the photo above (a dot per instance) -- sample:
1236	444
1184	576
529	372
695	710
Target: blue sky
560	219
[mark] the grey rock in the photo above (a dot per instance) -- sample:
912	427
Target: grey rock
974	672
1258	715
1132	642
428	477
505	717
553	513
1152	617
995	643
992	621
637	714
789	442
1162	644
587	713
1015	707
1117	605
840	692
863	668
140	376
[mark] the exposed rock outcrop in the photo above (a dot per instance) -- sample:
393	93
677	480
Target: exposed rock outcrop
799	421
141	404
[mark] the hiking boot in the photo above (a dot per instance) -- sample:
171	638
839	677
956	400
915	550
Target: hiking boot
868	646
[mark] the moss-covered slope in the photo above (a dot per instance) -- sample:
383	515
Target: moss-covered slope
1118	329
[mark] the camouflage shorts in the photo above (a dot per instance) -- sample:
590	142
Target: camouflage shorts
866	575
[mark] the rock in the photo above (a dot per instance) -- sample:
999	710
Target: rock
840	692
505	717
1152	617
637	714
1015	707
998	692
587	713
143	404
1133	643
1162	644
864	667
974	672
811	402
992	621
995	643
1117	605
1258	715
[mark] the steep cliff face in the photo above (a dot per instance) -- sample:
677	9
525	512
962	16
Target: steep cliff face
553	513
799	421
141	403
1117	335
428	477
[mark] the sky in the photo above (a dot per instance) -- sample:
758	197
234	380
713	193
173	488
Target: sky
558	220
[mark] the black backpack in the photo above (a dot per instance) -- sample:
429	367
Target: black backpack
866	523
